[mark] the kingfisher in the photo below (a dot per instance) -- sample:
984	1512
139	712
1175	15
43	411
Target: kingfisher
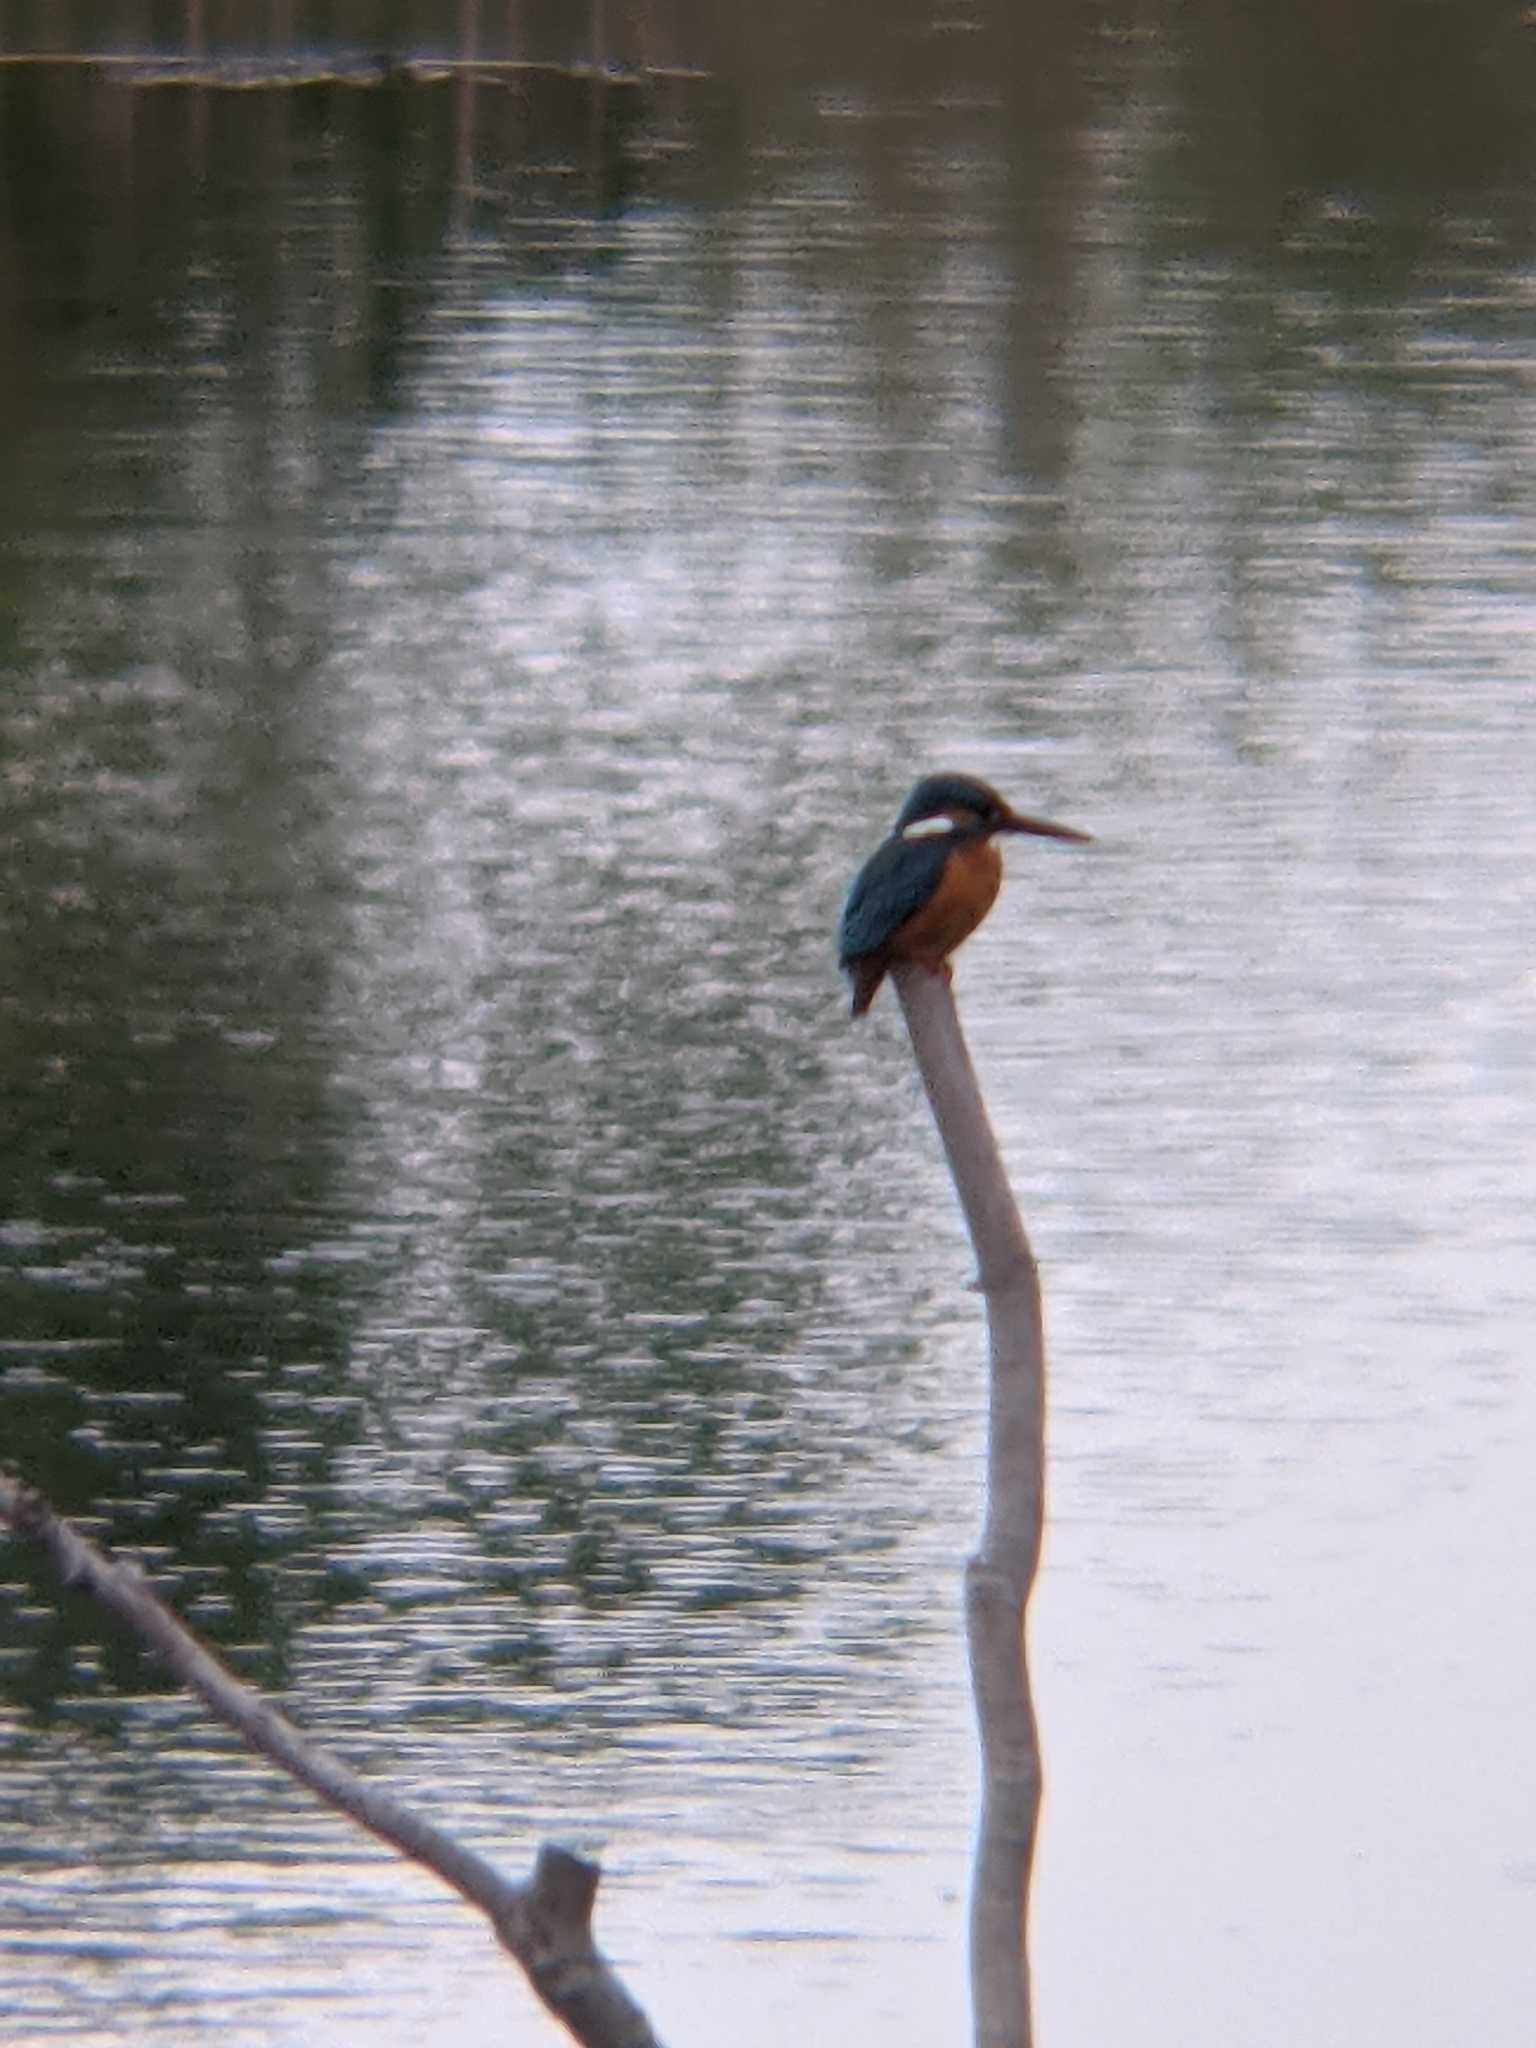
924	890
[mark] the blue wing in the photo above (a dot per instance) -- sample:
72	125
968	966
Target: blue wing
896	880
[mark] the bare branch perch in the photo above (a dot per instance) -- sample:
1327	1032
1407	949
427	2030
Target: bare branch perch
1001	1573
544	1923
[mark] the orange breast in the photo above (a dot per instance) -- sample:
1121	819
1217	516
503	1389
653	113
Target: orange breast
967	890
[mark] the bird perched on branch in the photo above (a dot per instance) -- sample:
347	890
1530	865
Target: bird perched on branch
926	888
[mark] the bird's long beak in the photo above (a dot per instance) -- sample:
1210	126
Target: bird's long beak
1016	821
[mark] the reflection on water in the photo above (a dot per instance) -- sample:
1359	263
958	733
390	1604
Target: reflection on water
454	656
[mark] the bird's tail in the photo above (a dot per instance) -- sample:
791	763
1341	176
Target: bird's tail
867	976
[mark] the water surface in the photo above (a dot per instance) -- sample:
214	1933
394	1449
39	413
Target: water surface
455	653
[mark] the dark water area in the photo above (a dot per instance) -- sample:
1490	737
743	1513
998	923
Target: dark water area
482	556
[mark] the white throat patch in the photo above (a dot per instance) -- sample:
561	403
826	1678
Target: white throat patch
929	828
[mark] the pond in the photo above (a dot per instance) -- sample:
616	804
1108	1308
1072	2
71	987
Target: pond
480	571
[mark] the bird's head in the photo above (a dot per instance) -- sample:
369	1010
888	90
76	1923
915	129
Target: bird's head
962	803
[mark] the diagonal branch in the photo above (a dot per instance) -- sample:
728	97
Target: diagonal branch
545	1923
1001	1573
